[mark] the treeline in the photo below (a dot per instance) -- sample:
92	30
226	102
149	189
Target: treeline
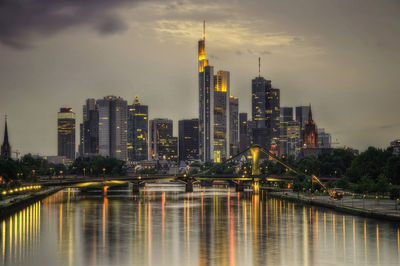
30	168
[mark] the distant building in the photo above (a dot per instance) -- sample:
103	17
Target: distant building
113	127
5	148
243	144
310	137
290	141
66	133
302	113
57	159
233	126
396	146
90	135
138	127
266	113
162	145
324	139
188	139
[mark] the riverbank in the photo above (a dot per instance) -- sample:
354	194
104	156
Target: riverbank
12	205
371	208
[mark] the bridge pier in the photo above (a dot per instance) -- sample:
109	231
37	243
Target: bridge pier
189	186
239	187
135	188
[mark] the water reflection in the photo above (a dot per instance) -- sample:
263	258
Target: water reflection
208	227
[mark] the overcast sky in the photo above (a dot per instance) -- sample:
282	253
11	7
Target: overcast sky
341	56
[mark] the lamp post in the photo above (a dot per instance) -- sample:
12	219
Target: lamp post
104	172
84	171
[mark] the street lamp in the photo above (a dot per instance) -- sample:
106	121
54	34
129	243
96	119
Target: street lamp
104	171
84	171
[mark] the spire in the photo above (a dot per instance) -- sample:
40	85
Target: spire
310	114
204	29
5	133
259	66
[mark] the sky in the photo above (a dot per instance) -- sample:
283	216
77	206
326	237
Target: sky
340	56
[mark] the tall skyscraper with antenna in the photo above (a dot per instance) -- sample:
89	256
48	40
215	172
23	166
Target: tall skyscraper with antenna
265	112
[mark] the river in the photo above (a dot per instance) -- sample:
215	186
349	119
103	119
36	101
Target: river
165	226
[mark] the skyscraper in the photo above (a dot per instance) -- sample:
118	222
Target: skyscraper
90	128
265	113
66	133
324	139
188	139
113	127
310	137
220	116
243	131
233	125
301	117
138	126
213	109
162	145
5	148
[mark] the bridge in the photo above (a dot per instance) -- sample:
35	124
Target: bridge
254	178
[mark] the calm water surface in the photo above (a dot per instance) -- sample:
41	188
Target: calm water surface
165	226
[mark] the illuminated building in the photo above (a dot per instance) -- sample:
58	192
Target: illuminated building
213	109
138	126
5	148
290	141
66	133
310	138
188	139
233	125
220	116
243	131
113	127
265	113
90	133
324	139
162	145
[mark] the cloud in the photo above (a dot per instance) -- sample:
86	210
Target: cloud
22	21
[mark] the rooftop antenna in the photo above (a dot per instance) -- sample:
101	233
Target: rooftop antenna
204	29
259	67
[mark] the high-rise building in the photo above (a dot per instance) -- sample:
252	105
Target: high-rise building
265	113
5	147
66	133
188	139
81	140
301	117
90	136
162	145
243	131
324	139
310	137
290	142
138	126
220	117
233	125
213	109
286	117
113	127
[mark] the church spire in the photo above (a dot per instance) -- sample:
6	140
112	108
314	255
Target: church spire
5	148
310	114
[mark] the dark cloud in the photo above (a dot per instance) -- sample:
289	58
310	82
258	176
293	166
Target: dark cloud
390	126
21	20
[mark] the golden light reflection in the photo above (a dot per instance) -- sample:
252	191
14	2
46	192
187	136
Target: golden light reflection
344	235
305	238
377	245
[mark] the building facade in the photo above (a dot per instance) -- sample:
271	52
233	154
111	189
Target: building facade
266	114
138	126
302	113
310	137
113	127
66	133
188	139
324	139
243	131
90	138
233	126
162	144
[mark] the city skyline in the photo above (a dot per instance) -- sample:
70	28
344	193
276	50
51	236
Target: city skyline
351	86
